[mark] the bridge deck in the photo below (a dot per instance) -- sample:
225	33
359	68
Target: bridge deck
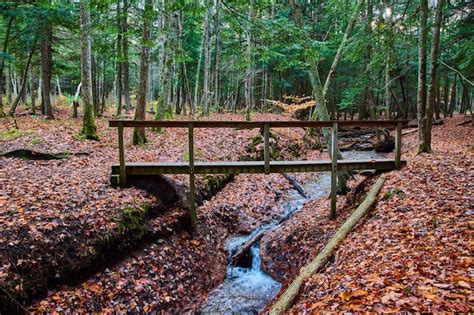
252	167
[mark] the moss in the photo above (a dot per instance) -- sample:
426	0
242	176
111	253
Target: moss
36	141
13	133
133	220
392	192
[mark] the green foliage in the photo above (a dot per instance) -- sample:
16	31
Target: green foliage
393	192
13	133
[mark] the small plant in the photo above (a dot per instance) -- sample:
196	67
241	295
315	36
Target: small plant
392	192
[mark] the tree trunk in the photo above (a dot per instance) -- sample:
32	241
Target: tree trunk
198	69
2	61
88	122
217	64
433	73
452	99
125	63
249	75
46	69
207	60
140	112
119	62
23	82
422	145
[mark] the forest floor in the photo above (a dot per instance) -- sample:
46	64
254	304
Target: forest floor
412	253
62	216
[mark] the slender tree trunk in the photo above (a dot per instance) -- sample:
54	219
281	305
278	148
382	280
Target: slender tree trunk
433	73
207	60
198	69
95	86
34	90
249	74
125	64
452	98
119	62
217	64
2	61
422	145
88	122
140	112
46	69
23	82
445	107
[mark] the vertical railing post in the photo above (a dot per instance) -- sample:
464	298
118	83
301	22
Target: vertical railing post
266	149
192	188
333	170
398	146
123	173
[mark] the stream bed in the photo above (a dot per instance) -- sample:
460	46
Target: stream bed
247	289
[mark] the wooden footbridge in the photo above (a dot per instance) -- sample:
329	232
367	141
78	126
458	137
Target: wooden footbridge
122	170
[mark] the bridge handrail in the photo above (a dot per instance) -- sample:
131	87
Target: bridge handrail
254	124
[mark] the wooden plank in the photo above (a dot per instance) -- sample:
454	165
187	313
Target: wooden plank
398	146
266	149
332	214
123	174
253	124
250	167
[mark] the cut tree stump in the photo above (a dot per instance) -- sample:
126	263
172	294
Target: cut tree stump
286	299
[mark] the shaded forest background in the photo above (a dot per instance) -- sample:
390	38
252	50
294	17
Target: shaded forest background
214	55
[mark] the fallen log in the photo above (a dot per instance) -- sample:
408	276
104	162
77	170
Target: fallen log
409	131
29	154
244	250
286	299
464	123
294	183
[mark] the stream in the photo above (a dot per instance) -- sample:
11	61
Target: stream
247	289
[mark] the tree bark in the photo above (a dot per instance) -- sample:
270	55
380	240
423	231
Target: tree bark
119	61
2	61
249	73
433	73
207	60
217	64
139	136
46	69
88	123
125	63
422	146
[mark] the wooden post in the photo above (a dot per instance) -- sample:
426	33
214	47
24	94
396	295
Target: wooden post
123	174
333	171
192	188
398	146
266	152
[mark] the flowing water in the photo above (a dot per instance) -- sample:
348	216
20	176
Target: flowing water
247	290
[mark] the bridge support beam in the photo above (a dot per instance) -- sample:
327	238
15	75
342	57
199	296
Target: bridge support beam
123	173
192	187
333	171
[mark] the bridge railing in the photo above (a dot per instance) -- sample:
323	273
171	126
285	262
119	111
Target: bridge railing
266	125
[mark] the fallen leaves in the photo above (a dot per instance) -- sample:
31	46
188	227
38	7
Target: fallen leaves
414	252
